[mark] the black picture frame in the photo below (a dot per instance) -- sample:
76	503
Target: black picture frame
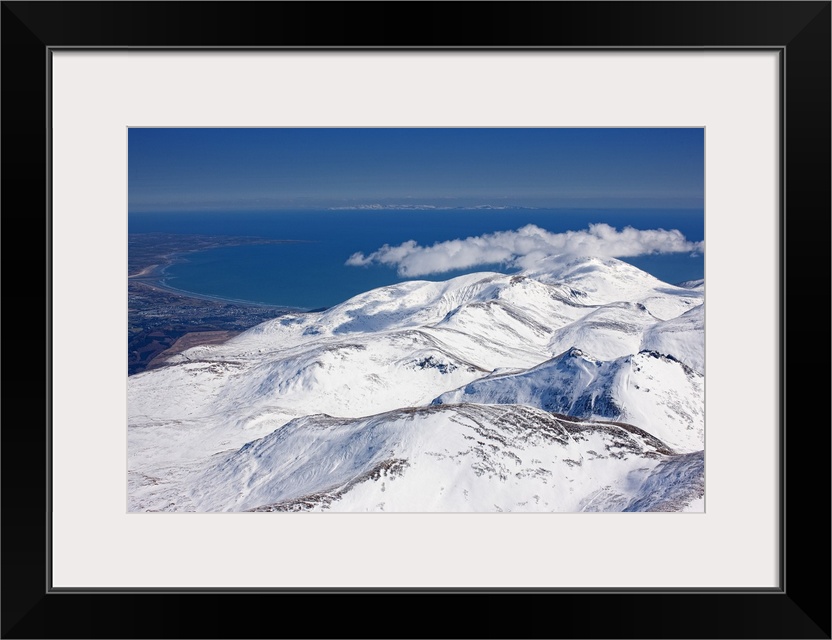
799	608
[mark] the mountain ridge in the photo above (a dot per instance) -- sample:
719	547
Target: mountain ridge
578	336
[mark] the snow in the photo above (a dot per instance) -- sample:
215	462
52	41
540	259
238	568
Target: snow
451	458
683	336
657	393
339	403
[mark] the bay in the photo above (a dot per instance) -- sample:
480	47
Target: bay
311	273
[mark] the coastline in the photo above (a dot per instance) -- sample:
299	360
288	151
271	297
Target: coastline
159	284
154	277
160	317
164	319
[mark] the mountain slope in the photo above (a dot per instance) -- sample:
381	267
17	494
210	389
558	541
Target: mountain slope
450	458
483	338
655	392
683	337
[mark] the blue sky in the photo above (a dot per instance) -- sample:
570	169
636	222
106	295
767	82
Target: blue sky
272	169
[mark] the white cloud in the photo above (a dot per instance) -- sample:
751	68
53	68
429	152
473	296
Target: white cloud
525	247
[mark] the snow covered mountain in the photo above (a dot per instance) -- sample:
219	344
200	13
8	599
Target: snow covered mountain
683	336
270	418
654	391
467	457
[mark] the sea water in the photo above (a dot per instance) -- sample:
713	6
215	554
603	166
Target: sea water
311	273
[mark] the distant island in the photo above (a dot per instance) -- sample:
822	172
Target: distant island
429	207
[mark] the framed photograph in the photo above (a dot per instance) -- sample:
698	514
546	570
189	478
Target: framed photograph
397	320
496	311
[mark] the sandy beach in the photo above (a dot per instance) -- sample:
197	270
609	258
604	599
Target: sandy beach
157	282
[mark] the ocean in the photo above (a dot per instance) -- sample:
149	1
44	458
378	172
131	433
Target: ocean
311	273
